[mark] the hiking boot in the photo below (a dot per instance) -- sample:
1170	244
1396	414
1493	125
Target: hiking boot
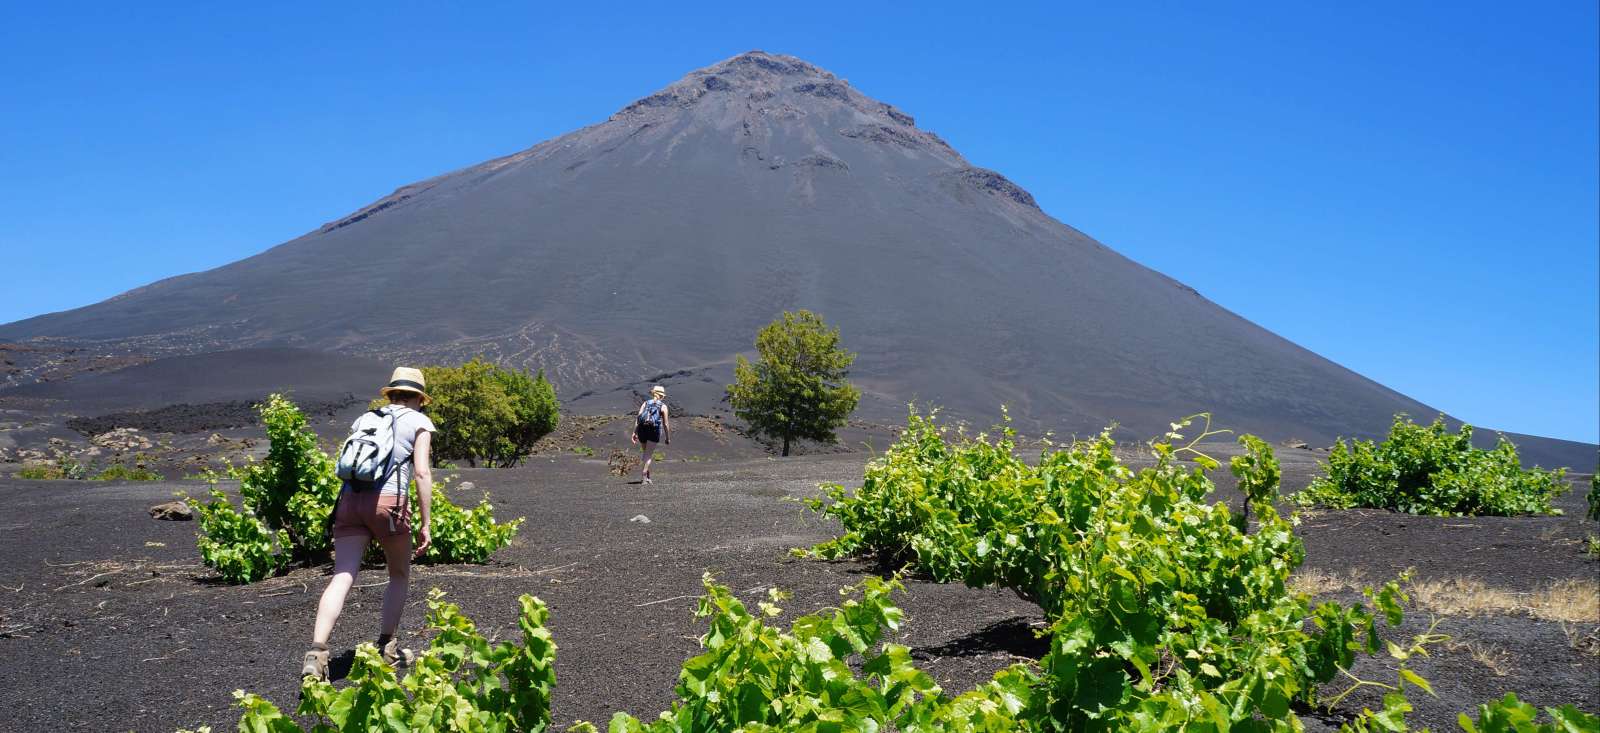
396	656
315	665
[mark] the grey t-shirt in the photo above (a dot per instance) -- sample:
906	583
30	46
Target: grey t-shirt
406	426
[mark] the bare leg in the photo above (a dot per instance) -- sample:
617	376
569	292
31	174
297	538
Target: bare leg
645	457
346	563
397	556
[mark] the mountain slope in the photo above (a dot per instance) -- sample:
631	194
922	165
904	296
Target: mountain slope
664	237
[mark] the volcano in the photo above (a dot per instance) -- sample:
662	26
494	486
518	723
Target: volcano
661	239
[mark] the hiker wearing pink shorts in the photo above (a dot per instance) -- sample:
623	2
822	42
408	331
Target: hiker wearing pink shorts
380	511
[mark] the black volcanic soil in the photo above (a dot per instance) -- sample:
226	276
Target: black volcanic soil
203	417
205	379
107	620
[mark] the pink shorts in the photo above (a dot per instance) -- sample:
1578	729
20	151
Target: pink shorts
372	515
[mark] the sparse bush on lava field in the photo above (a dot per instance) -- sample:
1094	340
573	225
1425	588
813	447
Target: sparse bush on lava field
1165	611
62	466
829	672
1426	470
461	534
461	682
121	472
288	501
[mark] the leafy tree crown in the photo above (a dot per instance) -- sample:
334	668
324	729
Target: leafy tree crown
796	388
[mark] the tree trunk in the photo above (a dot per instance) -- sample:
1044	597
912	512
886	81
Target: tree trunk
788	430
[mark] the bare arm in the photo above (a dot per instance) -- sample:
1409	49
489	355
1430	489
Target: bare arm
666	423
422	471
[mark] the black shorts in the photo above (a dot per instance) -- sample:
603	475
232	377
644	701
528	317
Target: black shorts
648	433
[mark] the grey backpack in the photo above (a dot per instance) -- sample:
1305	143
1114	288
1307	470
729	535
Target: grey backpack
366	460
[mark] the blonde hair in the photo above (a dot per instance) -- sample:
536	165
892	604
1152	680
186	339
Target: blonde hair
658	390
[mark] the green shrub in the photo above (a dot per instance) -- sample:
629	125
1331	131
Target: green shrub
461	682
65	467
294	488
119	472
829	671
464	535
1165	612
488	414
1134	571
1427	470
753	677
1510	715
40	472
288	501
238	545
61	466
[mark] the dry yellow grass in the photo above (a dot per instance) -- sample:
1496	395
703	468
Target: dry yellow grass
1569	601
1583	638
1577	601
1318	582
1494	658
1573	601
1461	597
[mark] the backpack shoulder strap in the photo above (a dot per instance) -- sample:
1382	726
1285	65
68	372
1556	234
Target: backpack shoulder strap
390	467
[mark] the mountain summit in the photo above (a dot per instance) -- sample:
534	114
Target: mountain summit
662	238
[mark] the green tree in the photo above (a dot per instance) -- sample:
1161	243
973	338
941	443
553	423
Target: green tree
796	388
489	414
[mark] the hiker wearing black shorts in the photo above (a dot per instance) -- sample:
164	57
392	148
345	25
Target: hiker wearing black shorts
652	424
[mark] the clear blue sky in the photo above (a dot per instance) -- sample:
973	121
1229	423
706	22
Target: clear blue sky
1406	189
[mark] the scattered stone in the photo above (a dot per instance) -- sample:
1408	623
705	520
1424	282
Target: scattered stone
122	439
640	518
1296	444
175	511
466	486
622	463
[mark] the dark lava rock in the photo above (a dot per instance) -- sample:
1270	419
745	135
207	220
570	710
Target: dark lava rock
174	511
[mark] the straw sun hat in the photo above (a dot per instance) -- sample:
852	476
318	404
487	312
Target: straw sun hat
658	391
406	379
